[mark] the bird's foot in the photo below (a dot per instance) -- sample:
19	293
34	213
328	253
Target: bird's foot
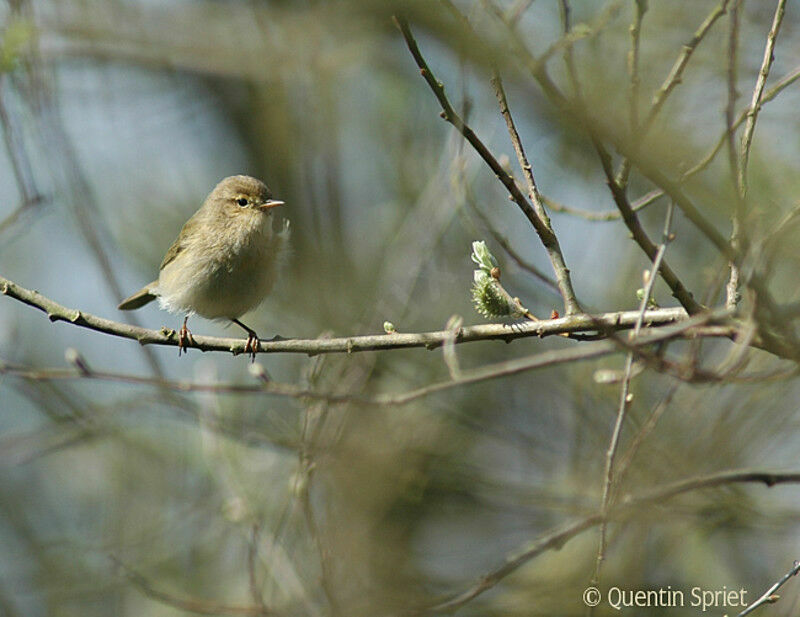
184	337
251	345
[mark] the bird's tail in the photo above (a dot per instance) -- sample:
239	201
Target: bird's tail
140	298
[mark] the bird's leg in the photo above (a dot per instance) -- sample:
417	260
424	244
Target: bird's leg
251	345
184	336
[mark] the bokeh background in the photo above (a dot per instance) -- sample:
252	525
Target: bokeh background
120	116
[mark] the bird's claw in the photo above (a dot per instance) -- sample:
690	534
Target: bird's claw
184	337
251	345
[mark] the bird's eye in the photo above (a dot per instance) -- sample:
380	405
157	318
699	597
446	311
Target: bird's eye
241	201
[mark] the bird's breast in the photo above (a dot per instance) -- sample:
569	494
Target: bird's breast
228	275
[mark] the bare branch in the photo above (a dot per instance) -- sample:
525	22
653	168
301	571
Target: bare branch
621	320
191	605
556	539
624	401
633	65
679	291
545	232
554	251
732	289
676	73
703	326
755	102
769	597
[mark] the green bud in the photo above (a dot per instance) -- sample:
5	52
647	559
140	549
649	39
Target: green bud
491	300
482	256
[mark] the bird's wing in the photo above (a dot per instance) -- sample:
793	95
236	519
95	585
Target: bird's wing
180	242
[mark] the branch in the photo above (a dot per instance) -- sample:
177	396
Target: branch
679	291
599	134
557	539
506	245
786	81
633	66
769	597
732	288
621	320
687	328
755	103
676	73
604	215
609	479
542	227
199	607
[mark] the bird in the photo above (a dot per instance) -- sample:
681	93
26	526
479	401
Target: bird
224	262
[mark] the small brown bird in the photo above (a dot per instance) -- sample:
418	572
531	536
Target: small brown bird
224	261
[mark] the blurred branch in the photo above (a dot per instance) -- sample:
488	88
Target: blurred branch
633	65
191	605
786	81
506	246
600	134
675	75
20	163
542	227
758	90
558	538
252	574
625	396
732	289
604	215
679	291
769	596
23	207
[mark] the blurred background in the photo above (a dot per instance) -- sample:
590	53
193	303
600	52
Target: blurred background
118	118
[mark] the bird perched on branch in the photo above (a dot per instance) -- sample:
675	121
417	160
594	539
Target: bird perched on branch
224	261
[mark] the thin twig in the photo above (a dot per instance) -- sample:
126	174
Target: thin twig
579	114
755	102
191	605
644	431
633	88
17	155
565	16
608	480
786	81
600	134
548	238
633	65
556	539
506	245
769	597
732	289
554	251
252	574
587	31
604	215
679	291
676	73
674	77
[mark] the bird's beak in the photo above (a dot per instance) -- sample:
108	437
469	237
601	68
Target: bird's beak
270	203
